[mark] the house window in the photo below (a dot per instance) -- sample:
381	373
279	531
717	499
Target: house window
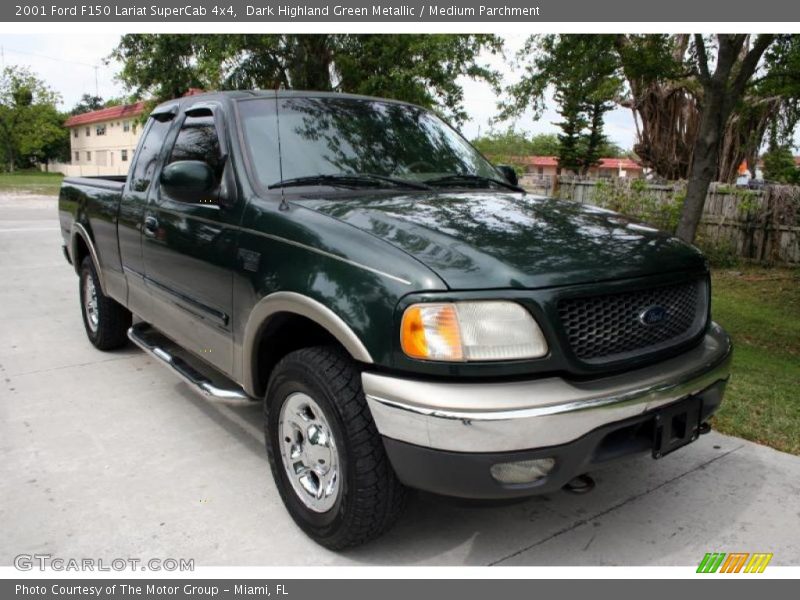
123	154
89	156
74	133
88	131
100	129
77	157
126	126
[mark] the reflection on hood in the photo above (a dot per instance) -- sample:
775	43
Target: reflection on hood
490	240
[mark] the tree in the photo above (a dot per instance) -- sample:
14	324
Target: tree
722	90
585	81
779	164
574	121
87	103
512	143
417	68
702	105
30	125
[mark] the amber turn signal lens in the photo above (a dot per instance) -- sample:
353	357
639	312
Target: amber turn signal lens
431	332
492	330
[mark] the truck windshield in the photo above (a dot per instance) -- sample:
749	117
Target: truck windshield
351	142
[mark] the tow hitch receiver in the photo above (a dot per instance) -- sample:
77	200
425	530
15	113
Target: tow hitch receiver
676	426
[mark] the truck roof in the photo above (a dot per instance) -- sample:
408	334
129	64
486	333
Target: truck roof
229	95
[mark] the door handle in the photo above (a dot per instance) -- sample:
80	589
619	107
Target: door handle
150	226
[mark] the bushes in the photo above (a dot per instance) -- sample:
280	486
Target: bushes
757	225
656	205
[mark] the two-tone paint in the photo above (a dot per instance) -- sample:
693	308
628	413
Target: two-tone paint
213	276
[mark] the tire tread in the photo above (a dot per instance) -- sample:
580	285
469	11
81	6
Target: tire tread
378	498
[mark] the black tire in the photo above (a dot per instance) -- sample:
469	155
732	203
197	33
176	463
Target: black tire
108	328
370	498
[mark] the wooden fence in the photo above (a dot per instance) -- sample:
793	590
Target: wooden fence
761	225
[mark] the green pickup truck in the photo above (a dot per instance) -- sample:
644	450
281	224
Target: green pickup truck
409	316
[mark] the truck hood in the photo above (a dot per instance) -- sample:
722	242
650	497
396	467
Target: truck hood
490	240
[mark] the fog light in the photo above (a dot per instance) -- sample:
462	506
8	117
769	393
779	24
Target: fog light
524	471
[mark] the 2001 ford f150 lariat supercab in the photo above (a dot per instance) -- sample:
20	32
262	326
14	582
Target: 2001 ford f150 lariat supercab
410	317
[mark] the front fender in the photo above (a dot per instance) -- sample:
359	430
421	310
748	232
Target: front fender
304	306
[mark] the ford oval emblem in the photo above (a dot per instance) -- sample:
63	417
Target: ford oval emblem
653	315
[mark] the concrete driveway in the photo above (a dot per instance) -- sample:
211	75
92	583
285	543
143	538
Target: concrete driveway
108	455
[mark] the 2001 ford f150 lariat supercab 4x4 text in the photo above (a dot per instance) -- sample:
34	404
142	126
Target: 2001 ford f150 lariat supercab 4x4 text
409	315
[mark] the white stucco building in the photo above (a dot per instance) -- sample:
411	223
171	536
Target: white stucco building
102	142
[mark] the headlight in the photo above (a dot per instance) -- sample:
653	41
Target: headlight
471	331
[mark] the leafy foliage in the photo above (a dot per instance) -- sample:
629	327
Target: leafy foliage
780	166
510	146
87	103
584	76
513	143
31	128
422	69
702	103
639	199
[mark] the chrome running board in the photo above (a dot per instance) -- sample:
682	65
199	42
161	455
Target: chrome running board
199	382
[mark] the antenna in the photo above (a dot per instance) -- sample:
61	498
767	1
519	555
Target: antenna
96	88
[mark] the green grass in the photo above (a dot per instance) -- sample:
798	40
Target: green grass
31	182
760	308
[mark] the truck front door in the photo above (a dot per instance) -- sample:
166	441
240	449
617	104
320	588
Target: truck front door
189	249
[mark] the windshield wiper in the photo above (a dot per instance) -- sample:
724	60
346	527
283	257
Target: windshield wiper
470	178
348	180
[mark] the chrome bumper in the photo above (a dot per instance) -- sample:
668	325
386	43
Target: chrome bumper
504	417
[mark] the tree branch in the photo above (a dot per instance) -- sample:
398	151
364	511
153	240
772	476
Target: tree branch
750	63
702	59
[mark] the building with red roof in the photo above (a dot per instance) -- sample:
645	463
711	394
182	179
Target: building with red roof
546	167
102	142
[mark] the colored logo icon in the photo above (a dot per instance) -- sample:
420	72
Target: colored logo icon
734	562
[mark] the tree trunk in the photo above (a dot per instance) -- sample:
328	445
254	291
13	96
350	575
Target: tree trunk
705	159
721	91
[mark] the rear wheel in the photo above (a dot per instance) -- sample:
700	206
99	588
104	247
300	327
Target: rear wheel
106	321
326	455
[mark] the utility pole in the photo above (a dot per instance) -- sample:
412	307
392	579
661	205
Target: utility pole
96	87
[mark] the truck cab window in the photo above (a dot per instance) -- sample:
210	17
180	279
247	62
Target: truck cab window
198	140
147	156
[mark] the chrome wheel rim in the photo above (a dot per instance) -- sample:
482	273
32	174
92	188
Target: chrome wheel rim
90	303
308	452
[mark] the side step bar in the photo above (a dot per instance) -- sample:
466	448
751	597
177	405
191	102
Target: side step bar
196	380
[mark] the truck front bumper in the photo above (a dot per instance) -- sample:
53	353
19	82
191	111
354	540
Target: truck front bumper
445	437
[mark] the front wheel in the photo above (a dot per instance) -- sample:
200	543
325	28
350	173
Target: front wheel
326	455
106	321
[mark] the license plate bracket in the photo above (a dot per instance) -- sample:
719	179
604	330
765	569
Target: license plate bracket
677	425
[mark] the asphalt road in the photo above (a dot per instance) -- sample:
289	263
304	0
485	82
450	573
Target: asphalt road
108	455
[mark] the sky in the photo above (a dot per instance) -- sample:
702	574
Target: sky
67	63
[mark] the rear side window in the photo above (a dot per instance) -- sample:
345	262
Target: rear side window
147	156
198	140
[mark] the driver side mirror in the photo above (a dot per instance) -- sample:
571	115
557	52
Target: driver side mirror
189	181
509	173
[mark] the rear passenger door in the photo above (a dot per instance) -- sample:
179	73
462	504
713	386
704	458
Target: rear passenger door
189	246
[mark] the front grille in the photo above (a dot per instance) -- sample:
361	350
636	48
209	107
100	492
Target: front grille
609	327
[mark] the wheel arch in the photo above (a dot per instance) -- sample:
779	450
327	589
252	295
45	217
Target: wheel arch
290	311
81	245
